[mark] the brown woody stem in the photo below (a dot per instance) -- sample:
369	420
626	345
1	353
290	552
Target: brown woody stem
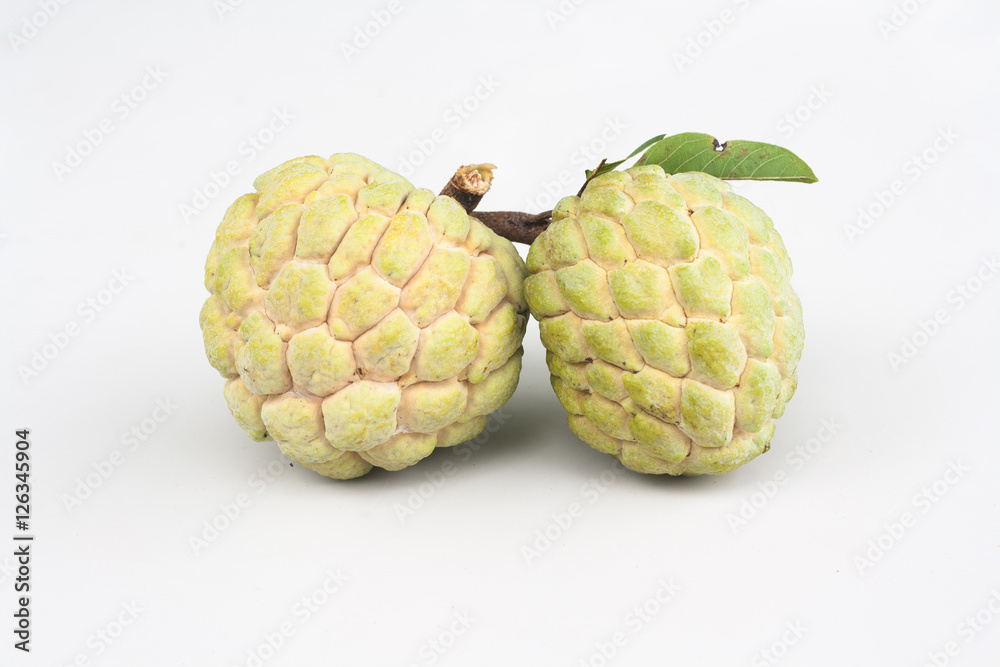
468	186
514	225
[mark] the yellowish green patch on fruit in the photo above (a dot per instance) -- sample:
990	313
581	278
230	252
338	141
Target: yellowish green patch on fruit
235	284
319	363
300	295
419	201
401	450
361	302
449	221
513	269
446	348
323	225
753	317
386	350
403	247
437	286
564	244
609	416
430	406
293	418
385	197
261	363
661	346
717	354
699	190
499	338
724	237
543	292
361	415
660	439
273	242
606	243
707	414
575	374
611	342
660	234
220	340
495	390
585	288
245	407
484	288
642	291
289	183
655	392
459	432
703	288
606	380
480	238
571	399
609	201
347	465
355	250
587	431
754	220
757	395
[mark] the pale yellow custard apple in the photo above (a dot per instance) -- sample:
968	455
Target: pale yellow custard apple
672	332
360	321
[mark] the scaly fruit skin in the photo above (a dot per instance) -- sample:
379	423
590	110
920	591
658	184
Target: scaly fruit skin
360	321
672	332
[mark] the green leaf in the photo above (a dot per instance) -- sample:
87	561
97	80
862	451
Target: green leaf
731	160
611	166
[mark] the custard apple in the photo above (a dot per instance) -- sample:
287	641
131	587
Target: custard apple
671	330
360	321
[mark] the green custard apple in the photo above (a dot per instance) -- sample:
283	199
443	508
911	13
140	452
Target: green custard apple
360	321
671	330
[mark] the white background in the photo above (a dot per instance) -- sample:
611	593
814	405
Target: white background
804	554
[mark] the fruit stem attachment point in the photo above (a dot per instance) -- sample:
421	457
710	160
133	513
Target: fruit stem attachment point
469	184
